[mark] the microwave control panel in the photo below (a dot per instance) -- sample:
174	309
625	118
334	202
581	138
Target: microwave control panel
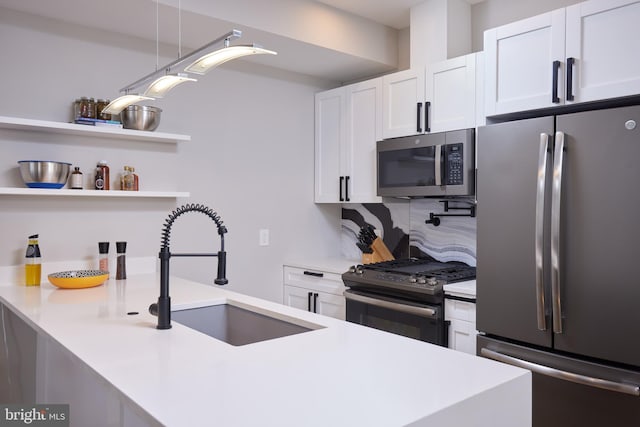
455	164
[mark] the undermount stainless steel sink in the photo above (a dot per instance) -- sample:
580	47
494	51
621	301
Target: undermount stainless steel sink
236	325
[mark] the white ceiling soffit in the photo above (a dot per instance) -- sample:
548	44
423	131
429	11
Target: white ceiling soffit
311	38
393	13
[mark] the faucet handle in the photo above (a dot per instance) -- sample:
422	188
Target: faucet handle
153	309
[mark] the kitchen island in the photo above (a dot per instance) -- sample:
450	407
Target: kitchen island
98	350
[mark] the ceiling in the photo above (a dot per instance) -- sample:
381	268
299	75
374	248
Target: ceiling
208	19
393	13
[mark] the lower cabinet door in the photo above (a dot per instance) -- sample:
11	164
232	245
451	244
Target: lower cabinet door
298	297
330	305
462	336
316	302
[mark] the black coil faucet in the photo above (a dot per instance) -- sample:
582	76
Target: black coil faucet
162	308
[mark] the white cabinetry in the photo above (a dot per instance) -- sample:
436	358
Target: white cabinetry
522	63
403	100
602	37
348	122
437	98
315	291
462	327
577	54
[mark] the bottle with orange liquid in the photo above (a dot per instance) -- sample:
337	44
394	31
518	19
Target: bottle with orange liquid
33	266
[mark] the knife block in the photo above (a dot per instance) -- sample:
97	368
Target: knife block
380	253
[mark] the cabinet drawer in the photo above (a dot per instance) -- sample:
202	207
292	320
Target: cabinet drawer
459	310
314	279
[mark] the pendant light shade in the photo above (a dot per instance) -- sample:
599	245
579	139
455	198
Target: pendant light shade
119	104
209	61
164	84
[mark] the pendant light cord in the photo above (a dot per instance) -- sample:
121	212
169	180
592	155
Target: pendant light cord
179	28
157	37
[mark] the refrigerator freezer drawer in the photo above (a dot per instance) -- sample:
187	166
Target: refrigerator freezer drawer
570	391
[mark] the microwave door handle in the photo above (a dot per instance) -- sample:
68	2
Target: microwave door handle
438	164
619	387
556	192
539	230
409	309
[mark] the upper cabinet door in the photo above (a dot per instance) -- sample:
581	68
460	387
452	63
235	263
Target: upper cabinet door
403	91
602	37
364	128
330	132
521	72
451	94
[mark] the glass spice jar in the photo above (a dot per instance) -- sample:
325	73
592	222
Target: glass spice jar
83	107
91	109
100	105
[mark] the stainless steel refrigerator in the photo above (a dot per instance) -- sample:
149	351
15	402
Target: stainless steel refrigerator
558	261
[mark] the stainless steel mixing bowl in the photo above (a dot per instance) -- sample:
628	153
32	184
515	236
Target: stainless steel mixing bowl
140	117
44	173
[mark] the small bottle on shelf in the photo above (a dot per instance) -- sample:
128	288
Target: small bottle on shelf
126	179
102	176
76	179
136	184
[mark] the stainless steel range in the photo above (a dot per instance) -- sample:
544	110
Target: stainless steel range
403	296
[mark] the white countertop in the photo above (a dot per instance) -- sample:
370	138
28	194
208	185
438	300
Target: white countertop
461	289
329	265
341	375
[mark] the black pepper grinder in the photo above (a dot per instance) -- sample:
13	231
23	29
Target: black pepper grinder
121	264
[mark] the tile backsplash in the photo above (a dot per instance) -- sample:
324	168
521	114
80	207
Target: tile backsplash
401	224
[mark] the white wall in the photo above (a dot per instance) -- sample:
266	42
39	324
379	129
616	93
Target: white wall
250	157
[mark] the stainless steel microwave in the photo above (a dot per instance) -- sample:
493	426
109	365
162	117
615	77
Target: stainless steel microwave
428	165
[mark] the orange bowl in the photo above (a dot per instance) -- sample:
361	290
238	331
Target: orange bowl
78	279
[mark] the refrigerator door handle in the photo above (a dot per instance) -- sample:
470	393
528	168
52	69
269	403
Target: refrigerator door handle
631	389
539	230
556	192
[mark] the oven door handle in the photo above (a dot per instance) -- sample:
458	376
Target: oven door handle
631	389
409	309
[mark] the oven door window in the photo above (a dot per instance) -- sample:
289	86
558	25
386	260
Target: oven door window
421	322
411	167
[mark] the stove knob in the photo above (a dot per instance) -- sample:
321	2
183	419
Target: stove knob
432	281
352	269
422	280
359	270
412	279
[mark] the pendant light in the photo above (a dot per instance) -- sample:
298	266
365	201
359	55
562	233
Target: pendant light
200	61
209	61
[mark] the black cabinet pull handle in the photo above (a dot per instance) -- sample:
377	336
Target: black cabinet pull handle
418	117
427	108
570	63
346	188
313	273
341	182
309	301
315	302
554	91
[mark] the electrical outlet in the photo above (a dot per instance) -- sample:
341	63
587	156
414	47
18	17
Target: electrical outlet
264	237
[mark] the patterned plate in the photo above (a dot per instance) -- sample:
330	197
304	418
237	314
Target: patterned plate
78	279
